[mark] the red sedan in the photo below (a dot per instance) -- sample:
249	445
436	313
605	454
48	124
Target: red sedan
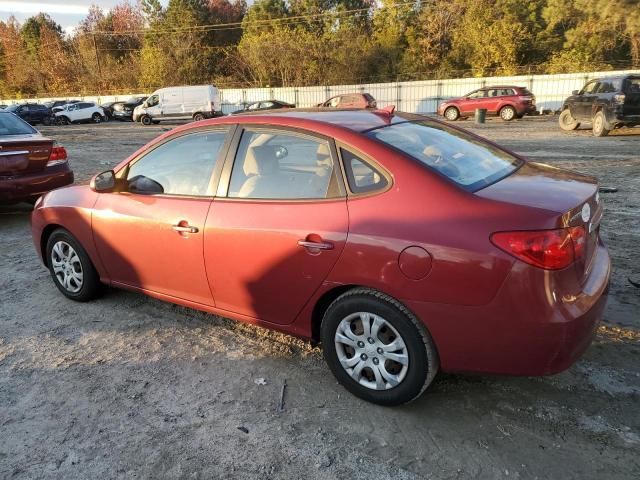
404	245
508	102
30	164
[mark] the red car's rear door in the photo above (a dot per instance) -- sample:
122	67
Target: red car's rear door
151	235
277	227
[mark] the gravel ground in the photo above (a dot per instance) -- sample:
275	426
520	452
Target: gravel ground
128	386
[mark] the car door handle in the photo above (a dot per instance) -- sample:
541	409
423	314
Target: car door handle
185	229
316	245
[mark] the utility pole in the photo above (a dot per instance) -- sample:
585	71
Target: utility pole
95	49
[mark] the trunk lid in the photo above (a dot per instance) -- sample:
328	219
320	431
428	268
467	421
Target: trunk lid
23	153
571	197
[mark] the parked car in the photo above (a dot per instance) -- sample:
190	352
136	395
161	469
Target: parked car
30	164
179	103
264	105
108	109
80	112
124	110
350	100
404	245
508	102
32	113
607	103
56	104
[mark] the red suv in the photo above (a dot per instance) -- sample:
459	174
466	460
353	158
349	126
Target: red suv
508	102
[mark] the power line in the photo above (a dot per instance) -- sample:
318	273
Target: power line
258	22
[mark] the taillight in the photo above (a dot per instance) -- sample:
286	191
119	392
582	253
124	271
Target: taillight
618	98
548	249
57	156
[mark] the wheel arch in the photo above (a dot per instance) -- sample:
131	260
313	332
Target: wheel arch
44	238
321	306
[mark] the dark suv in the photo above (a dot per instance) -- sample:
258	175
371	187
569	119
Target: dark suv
32	113
607	103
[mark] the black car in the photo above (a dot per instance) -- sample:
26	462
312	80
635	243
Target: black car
264	105
607	103
124	110
32	113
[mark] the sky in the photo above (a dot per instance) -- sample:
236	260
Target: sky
67	13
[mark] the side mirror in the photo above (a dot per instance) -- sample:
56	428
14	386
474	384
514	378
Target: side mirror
575	92
144	185
103	182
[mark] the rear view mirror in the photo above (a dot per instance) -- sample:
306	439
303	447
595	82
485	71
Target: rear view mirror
575	92
281	152
103	182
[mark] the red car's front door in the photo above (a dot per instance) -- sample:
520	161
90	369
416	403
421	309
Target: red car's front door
472	101
151	235
282	226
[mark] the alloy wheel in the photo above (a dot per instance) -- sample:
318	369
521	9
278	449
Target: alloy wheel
371	351
67	266
507	113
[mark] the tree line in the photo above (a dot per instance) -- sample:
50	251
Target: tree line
140	46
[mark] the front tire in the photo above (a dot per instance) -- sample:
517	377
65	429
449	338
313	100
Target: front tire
567	122
71	268
507	113
599	125
146	120
376	348
198	116
452	114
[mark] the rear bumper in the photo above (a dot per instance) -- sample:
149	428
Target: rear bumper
528	109
31	185
533	326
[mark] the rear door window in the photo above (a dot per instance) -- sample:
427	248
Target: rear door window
281	165
469	162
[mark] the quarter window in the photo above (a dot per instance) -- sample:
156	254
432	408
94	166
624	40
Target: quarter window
182	166
362	177
270	165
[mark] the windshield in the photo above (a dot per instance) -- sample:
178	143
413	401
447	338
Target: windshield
470	162
12	108
12	125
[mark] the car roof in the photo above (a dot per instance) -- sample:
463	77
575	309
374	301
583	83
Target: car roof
500	86
358	120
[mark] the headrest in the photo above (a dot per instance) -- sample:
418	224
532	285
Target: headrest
261	160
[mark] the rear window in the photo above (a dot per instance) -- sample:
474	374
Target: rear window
467	161
12	125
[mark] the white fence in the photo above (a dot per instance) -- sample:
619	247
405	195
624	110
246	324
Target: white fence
416	97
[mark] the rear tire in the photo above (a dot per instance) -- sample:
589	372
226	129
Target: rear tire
507	113
390	361
146	120
567	122
599	125
198	117
71	268
96	118
452	114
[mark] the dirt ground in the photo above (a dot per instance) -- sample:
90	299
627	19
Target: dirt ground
130	387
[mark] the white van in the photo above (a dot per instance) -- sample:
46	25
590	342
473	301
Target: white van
179	103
